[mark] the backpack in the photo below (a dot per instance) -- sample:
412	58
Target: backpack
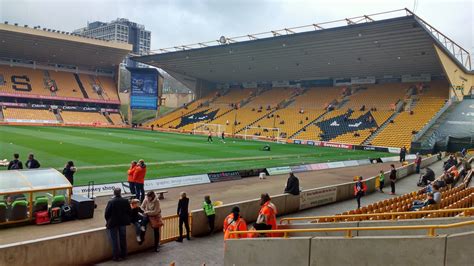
15	165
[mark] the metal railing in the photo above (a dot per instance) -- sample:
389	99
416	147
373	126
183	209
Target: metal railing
431	229
286	31
393	215
170	230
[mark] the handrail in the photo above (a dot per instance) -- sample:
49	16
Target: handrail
431	229
365	215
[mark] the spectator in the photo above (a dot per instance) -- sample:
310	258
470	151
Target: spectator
233	222
418	163
359	190
403	153
136	219
210	212
152	127
463	152
427	177
420	204
393	178
15	164
292	185
183	213
32	163
69	171
152	214
139	174
381	178
266	219
131	181
449	163
117	215
436	193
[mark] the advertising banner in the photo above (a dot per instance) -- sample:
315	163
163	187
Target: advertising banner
366	80
317	197
279	170
335	165
342	81
72	99
419	78
224	176
143	88
300	168
318	166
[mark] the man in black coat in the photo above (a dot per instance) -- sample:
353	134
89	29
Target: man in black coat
32	163
292	185
117	215
403	153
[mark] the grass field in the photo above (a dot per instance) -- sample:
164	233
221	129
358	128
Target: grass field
103	155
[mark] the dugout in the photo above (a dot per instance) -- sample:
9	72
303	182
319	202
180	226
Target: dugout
26	192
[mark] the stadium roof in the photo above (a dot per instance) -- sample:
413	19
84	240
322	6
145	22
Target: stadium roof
60	48
361	47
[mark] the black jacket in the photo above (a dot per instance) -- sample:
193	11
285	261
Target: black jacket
293	185
183	205
393	174
32	164
15	164
117	212
135	215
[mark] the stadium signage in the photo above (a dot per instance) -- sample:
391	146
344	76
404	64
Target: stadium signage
360	81
281	83
342	81
249	85
143	88
224	176
69	107
279	170
300	168
153	184
336	145
37	96
14	104
39	106
90	109
317	197
419	78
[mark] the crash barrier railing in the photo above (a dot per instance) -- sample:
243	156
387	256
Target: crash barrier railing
170	229
431	229
392	215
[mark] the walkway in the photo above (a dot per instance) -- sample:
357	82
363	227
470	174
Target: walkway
209	250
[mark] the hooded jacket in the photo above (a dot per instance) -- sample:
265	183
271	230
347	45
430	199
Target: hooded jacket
139	173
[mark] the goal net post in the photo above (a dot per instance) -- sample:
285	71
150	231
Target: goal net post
262	133
204	128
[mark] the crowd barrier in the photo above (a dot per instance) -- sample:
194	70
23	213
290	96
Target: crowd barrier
453	249
287	203
86	247
80	248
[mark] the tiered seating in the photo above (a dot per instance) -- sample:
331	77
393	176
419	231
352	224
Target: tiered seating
67	84
400	133
28	114
317	98
90	118
234	96
220	111
289	120
272	97
379	96
116	119
247	115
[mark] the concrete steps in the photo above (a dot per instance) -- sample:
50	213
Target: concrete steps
380	129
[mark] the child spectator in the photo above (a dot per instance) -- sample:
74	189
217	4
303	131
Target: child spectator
136	219
382	180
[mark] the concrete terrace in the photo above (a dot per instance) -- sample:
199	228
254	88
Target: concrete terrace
210	250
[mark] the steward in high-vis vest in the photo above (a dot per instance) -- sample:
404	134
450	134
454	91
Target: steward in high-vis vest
208	208
233	222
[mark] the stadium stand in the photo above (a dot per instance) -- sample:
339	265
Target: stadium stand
16	114
317	97
116	119
89	118
426	104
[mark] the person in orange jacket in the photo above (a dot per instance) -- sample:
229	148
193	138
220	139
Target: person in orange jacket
266	219
139	179
131	181
233	222
359	190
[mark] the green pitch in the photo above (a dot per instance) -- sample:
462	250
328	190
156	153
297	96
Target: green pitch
103	155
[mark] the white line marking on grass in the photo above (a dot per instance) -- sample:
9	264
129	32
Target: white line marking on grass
195	161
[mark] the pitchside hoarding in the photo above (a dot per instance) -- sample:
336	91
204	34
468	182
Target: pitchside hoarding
143	88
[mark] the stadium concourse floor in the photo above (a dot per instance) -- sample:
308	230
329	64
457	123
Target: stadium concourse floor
210	250
227	192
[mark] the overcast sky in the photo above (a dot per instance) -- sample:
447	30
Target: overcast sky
178	22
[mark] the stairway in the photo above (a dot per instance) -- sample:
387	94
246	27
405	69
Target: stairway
309	124
108	118
81	86
369	139
58	115
440	121
1	114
